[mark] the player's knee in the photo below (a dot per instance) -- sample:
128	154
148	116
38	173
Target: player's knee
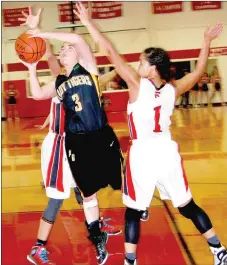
197	215
90	202
189	210
52	210
132	225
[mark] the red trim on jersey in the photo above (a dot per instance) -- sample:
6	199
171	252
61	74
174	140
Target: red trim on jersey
54	117
62	120
59	184
50	166
132	127
182	166
152	82
129	182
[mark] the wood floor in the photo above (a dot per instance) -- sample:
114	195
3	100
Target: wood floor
202	136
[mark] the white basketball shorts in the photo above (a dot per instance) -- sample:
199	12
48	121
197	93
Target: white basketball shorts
154	163
56	172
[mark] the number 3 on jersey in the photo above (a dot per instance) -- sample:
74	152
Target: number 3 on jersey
156	119
78	104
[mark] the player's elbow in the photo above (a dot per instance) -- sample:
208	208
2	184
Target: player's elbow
38	97
197	75
199	71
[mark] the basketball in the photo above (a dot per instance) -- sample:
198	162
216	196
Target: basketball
30	50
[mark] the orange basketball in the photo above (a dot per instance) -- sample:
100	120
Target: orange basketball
30	50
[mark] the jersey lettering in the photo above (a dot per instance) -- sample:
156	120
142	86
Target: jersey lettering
74	81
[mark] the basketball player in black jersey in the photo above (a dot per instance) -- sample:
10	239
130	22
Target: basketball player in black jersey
92	147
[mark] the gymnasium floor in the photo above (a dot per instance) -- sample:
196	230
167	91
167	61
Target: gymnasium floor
167	238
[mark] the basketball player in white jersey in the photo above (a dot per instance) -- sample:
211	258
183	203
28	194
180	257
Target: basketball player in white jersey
153	158
56	172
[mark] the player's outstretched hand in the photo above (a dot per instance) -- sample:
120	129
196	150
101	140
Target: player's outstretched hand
35	33
41	127
30	20
213	32
82	13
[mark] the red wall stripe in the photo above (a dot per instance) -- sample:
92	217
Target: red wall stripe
103	60
14	67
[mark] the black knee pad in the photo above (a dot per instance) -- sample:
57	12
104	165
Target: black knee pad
197	215
52	210
78	195
132	225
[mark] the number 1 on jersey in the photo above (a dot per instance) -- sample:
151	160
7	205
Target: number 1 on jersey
156	119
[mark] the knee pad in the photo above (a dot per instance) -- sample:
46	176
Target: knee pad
132	225
197	215
78	195
52	210
90	204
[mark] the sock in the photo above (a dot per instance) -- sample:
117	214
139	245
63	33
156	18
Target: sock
214	242
130	257
40	242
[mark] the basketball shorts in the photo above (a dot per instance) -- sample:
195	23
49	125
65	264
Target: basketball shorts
12	101
154	163
195	87
95	160
205	88
217	86
56	172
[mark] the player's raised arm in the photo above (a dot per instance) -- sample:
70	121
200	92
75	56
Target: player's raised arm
124	70
32	21
52	61
86	58
106	78
39	93
187	82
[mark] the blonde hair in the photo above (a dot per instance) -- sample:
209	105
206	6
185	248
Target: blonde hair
63	71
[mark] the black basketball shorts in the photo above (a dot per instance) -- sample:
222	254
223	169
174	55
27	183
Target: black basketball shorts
12	101
95	160
217	86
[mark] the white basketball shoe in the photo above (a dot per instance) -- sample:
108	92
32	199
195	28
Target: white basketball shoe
220	255
127	263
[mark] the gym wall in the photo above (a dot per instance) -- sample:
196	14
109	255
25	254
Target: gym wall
181	33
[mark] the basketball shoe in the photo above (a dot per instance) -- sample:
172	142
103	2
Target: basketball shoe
220	255
111	230
38	256
129	263
99	241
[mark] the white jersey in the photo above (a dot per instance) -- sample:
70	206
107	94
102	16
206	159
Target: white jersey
56	172
149	116
57	117
153	160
